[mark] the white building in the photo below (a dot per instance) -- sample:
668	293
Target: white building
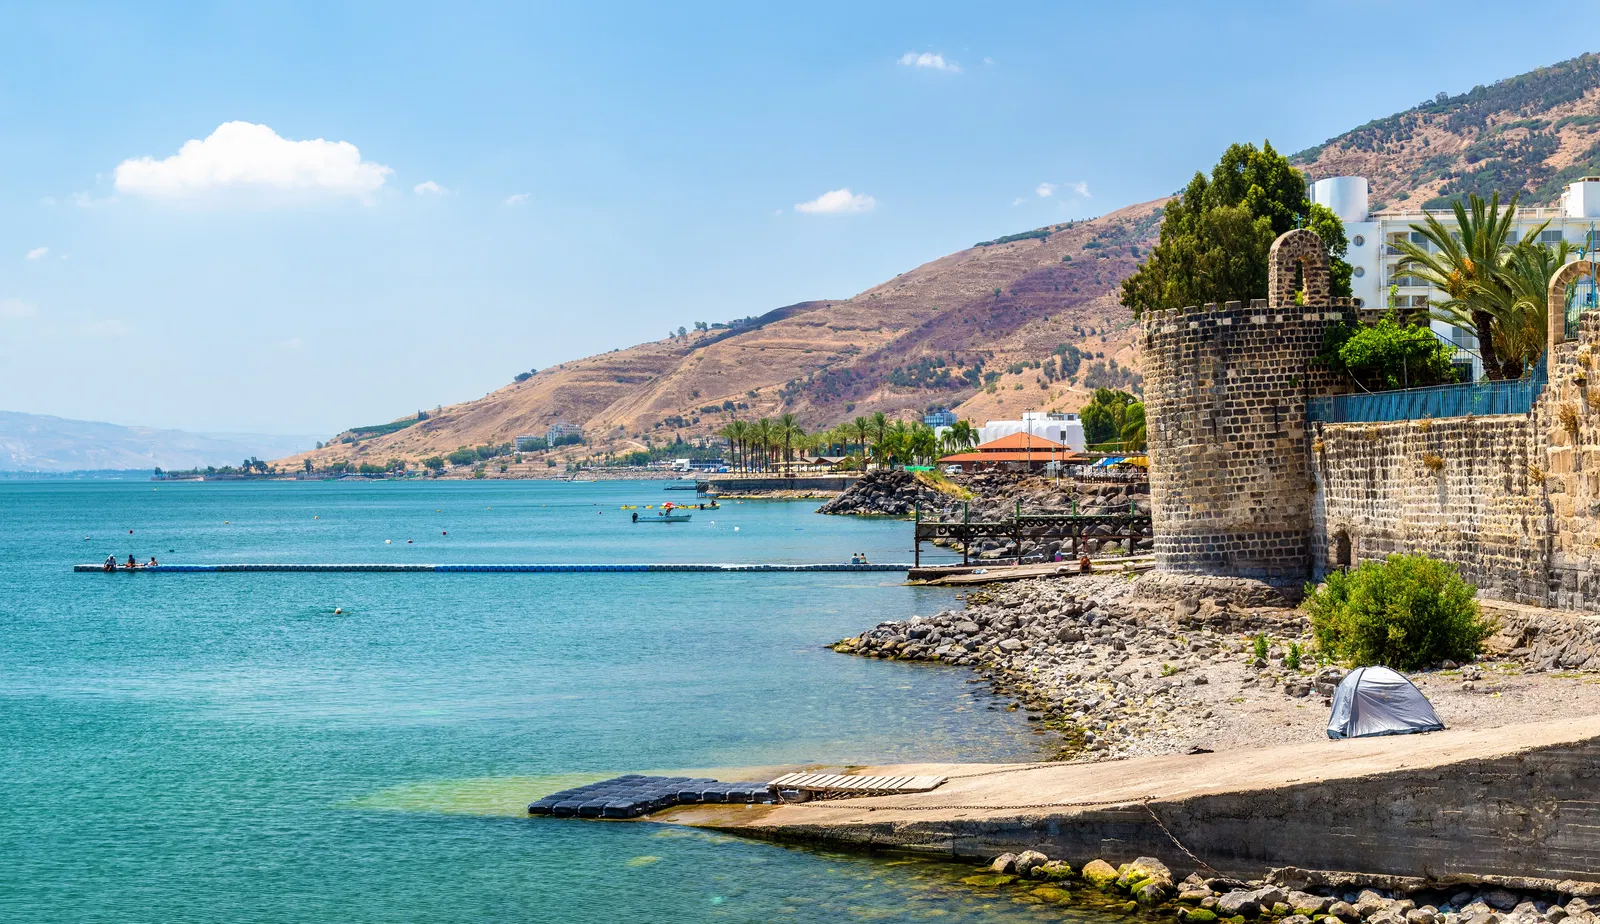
1374	260
1063	428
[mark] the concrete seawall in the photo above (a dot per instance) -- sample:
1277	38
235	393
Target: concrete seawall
744	484
1518	801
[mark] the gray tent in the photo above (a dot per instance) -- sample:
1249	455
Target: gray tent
1374	701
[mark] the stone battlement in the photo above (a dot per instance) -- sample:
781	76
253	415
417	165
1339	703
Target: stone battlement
1168	320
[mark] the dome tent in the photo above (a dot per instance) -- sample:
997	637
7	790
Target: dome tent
1375	701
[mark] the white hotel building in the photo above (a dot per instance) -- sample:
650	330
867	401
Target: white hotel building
1374	260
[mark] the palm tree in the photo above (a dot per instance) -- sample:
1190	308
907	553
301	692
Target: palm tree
860	429
761	435
959	437
1133	432
1521	310
924	444
879	427
1467	266
789	430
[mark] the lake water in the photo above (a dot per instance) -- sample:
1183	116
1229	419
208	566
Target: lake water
223	747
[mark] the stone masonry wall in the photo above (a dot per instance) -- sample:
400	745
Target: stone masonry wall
1226	388
1459	489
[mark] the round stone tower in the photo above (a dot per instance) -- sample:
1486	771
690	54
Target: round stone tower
1225	402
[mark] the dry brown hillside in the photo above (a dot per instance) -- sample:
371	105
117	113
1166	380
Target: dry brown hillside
961	331
1530	134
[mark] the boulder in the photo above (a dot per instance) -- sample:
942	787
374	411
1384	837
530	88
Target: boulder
1152	892
1344	911
1027	861
1307	904
1197	916
1099	874
1369	903
1500	899
1051	870
1141	870
1005	863
1241	902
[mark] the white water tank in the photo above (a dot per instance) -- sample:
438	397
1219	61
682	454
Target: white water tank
1582	198
1345	196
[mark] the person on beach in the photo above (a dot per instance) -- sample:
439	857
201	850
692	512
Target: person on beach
1083	565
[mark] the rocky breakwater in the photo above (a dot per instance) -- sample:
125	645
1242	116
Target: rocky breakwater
1118	669
893	494
1292	896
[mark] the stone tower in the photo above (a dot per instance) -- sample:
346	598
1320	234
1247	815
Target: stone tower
1225	402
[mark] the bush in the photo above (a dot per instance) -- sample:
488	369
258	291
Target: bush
1407	613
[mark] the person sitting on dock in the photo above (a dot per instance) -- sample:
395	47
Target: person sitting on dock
151	563
111	563
855	559
131	563
863	558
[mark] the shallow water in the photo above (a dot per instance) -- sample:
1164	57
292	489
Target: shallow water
201	747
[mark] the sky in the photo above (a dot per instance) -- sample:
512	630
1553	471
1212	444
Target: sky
298	218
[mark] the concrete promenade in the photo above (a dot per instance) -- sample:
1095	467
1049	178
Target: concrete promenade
1516	801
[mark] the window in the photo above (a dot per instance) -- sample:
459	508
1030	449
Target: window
1513	236
1553	236
1417	237
1357	241
1359	271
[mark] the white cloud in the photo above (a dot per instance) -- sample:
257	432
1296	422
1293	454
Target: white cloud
36	253
837	201
429	188
243	154
1046	189
931	60
517	199
1082	189
14	309
1017	201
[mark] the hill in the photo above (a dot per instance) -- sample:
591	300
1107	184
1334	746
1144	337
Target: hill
40	443
983	330
1532	134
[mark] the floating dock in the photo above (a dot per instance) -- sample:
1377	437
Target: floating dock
524	569
633	795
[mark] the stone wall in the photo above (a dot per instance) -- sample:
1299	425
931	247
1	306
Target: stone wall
1458	488
1225	389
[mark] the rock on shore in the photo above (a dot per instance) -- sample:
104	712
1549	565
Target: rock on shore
1293	896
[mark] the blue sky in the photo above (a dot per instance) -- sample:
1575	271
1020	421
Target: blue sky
531	184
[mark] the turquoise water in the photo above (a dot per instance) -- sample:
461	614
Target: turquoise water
223	747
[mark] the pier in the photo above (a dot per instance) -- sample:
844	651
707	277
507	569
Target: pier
1509	801
702	567
1073	528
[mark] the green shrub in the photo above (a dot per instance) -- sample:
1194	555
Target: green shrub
1261	648
1409	612
1292	660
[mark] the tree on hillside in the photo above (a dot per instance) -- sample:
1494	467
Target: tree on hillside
1215	236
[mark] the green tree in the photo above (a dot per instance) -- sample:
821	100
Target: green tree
1104	416
959	437
1388	354
1468	264
1216	235
1133	433
433	464
308	466
1408	612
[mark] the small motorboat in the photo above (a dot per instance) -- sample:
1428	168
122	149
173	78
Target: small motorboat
669	513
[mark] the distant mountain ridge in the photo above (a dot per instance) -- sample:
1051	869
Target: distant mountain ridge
41	443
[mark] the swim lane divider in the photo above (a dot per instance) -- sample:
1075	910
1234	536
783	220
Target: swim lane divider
525	569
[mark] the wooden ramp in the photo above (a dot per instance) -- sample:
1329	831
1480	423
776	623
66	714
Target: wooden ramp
842	786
